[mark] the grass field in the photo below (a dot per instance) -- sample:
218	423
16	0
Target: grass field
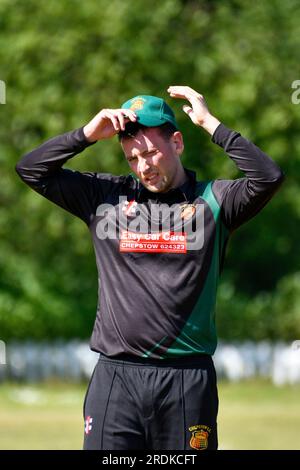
252	415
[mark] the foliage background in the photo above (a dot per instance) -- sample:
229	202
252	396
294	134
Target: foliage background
64	60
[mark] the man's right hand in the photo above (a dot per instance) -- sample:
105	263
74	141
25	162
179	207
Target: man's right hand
107	123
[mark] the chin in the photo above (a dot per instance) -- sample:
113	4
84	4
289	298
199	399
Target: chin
153	189
157	189
162	187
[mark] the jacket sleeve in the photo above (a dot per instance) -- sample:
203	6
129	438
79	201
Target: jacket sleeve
243	198
78	193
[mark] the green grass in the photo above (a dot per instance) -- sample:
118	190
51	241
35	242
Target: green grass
258	415
44	416
252	415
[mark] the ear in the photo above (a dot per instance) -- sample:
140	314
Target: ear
177	141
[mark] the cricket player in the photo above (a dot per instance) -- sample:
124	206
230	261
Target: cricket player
160	237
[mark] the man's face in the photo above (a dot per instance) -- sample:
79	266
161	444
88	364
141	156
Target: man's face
155	159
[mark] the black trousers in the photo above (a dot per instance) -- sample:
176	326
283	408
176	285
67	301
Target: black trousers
143	404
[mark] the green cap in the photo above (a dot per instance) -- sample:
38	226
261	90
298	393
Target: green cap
151	111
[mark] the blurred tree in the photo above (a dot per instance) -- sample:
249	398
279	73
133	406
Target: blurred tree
63	61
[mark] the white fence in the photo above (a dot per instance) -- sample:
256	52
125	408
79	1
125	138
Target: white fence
75	361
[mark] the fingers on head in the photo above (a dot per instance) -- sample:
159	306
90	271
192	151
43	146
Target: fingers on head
118	117
128	114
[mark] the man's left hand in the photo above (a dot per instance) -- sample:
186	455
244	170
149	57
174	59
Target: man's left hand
198	111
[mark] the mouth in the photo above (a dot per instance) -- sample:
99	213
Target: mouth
152	179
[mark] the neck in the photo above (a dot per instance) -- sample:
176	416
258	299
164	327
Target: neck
181	178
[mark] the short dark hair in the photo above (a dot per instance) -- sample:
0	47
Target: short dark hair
132	128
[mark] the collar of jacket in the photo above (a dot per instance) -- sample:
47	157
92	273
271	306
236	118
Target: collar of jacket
185	192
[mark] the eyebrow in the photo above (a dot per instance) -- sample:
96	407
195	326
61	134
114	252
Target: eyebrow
143	153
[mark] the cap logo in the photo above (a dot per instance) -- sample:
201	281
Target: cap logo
138	103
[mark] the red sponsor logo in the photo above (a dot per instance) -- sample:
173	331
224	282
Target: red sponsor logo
159	242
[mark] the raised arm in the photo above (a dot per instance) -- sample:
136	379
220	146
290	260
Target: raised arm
77	192
41	169
242	198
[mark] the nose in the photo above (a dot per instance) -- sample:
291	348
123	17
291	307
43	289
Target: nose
143	166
